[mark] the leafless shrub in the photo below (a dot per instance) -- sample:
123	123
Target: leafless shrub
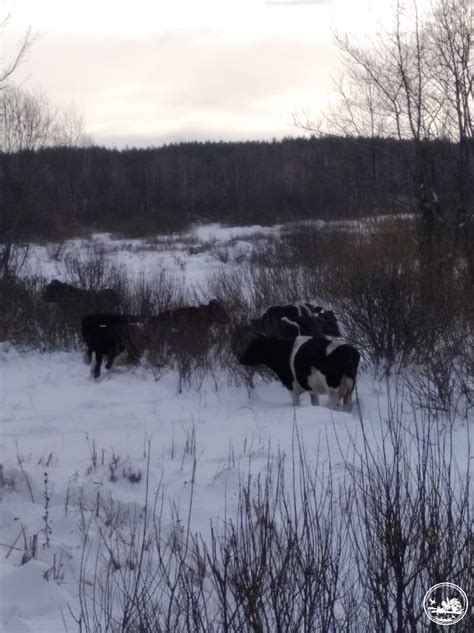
30	547
27	321
310	547
410	523
193	351
163	291
91	272
394	308
276	567
13	257
56	250
249	290
56	572
307	245
445	383
16	304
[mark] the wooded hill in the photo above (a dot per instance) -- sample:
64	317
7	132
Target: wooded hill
60	191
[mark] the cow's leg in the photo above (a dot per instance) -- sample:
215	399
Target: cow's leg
295	398
314	399
345	392
347	401
334	398
110	360
98	363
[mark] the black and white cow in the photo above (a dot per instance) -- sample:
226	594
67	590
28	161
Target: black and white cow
315	364
108	335
296	319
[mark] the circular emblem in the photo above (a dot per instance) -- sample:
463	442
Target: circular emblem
445	603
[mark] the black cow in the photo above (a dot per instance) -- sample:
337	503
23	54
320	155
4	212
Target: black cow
297	319
112	340
111	334
91	324
66	294
304	363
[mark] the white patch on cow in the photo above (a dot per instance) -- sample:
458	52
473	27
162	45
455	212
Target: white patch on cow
103	325
293	323
314	399
334	398
333	345
299	341
304	310
295	394
93	361
347	396
317	381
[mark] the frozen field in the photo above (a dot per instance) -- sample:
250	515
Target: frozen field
91	439
194	255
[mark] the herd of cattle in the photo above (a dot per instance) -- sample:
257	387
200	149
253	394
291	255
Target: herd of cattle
300	342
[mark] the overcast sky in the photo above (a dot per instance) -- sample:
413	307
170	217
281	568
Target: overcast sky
147	72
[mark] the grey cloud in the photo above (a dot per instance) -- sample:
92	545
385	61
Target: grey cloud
194	82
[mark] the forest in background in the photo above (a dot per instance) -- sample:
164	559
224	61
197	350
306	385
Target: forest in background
59	191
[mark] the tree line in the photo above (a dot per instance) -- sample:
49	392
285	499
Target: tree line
53	192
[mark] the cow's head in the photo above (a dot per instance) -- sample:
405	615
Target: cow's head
254	353
240	338
56	291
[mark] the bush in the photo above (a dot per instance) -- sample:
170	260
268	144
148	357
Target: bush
310	547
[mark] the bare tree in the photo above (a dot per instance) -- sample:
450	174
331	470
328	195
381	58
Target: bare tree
7	70
414	82
26	120
26	123
7	249
451	36
69	128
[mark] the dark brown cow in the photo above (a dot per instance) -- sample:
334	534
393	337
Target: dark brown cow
67	295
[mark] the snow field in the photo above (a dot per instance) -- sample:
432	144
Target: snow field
55	420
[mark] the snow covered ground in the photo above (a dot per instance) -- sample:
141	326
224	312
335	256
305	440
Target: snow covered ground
54	419
90	439
194	255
